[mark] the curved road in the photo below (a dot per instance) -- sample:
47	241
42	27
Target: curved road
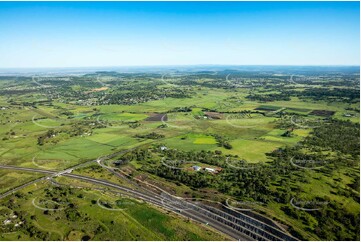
199	217
238	229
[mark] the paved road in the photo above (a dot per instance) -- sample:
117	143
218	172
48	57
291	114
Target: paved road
158	201
239	228
268	230
20	187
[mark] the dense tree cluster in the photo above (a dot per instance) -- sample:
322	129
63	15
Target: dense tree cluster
337	136
151	135
330	94
269	97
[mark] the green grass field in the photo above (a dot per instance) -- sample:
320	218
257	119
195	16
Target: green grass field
86	132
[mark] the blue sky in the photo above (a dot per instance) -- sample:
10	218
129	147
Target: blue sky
79	34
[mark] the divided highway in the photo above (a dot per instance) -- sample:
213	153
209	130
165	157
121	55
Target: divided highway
236	225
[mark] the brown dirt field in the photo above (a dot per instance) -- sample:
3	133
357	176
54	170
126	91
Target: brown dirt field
213	115
98	89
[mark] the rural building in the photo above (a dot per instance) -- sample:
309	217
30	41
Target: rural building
213	170
7	221
210	169
119	162
196	168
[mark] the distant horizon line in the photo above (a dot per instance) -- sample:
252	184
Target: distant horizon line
187	65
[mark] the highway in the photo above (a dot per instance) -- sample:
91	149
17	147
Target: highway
153	200
5	194
237	226
269	231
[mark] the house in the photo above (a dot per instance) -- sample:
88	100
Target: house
196	168
119	162
7	221
210	169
